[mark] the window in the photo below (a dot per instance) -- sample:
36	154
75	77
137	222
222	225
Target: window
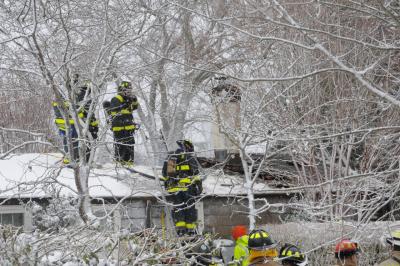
16	219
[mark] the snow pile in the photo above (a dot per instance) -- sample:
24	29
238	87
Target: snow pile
40	175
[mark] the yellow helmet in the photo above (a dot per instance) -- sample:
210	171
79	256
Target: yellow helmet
394	238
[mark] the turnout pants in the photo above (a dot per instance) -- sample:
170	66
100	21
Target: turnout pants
75	143
184	212
124	145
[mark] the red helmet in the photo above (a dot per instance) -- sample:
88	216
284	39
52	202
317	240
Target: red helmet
346	248
238	231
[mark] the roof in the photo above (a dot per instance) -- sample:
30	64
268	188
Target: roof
40	176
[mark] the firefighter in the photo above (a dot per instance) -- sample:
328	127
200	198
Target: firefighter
183	184
83	103
61	124
291	255
394	242
121	107
241	251
346	253
262	249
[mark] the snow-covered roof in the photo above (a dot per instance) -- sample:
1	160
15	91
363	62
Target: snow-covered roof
40	175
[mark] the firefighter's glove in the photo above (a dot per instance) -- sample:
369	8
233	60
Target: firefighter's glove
165	181
198	184
94	131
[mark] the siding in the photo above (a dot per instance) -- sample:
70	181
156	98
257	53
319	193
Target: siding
220	213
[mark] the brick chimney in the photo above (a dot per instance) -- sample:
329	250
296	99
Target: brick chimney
226	100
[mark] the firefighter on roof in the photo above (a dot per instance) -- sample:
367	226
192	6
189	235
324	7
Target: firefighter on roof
83	100
183	184
64	123
122	124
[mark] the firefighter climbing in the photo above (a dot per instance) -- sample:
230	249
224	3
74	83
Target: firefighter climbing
183	184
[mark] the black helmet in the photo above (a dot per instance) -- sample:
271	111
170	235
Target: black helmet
292	255
185	145
124	85
81	92
260	240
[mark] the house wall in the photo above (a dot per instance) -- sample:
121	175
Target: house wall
216	214
221	214
134	214
27	214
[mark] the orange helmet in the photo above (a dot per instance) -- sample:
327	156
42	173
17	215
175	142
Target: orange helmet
346	248
238	231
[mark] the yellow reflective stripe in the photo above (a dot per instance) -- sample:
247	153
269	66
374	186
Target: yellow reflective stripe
125	112
184	167
80	115
122	112
258	235
61	121
180	224
190	225
120	98
94	123
185	180
164	178
176	189
118	128
131	127
66	104
196	178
